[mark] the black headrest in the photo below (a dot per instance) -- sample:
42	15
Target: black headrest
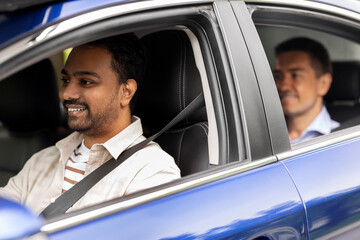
29	99
345	85
171	82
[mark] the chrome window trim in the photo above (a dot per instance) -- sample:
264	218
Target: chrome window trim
346	135
120	206
310	5
88	18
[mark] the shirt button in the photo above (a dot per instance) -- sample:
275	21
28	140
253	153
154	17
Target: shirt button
52	200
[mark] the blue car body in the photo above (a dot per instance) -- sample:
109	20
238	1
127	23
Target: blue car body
16	25
307	191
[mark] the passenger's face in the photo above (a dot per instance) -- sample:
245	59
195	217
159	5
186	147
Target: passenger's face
299	88
90	91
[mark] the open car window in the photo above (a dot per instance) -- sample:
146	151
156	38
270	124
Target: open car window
276	24
181	65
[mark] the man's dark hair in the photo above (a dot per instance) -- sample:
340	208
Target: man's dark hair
128	55
319	57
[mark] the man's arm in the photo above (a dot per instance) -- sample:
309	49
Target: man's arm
19	187
14	187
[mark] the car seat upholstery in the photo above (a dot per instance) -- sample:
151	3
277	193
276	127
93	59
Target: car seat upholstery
171	82
29	115
343	97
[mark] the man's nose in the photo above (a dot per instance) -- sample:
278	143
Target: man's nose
69	91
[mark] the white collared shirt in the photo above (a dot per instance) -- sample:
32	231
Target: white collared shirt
321	125
40	181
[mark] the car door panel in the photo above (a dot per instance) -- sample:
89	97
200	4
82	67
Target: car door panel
329	183
258	203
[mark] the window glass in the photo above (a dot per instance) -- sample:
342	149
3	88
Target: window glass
339	49
341	101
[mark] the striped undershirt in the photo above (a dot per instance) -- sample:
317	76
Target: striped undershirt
75	167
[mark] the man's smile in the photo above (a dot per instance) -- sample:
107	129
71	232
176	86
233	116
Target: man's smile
285	97
75	109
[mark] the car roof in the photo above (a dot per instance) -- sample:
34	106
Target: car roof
11	5
22	17
19	19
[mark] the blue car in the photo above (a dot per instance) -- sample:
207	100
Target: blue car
241	177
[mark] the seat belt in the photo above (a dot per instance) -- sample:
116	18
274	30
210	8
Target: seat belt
70	197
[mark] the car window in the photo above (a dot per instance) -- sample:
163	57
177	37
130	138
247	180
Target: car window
179	68
344	55
342	99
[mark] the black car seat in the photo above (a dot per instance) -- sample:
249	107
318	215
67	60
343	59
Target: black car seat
342	100
171	82
29	115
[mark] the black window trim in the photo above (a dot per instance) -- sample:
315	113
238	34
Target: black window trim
247	95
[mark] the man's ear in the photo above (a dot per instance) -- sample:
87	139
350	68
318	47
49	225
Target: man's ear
324	84
127	92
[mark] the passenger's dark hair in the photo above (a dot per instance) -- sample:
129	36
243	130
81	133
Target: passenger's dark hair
128	55
319	57
128	58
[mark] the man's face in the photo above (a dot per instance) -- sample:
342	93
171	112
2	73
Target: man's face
299	88
90	91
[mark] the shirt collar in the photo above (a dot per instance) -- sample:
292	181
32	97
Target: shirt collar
321	125
67	145
124	139
115	145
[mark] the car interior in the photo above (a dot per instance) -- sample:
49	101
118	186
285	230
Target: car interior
343	99
32	117
171	83
29	114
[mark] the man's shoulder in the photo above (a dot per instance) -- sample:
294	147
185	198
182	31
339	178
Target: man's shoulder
48	150
51	152
153	150
323	124
154	156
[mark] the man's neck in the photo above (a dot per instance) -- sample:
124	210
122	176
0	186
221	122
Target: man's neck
103	136
297	124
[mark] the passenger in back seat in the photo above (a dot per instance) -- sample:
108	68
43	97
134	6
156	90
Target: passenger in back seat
303	76
98	86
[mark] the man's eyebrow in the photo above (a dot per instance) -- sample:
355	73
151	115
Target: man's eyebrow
82	73
296	69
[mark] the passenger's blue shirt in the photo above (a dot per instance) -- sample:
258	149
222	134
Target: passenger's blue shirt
321	125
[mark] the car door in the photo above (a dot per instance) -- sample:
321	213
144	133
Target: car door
251	197
247	194
325	169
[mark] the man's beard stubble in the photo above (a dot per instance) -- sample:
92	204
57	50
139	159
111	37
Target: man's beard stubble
92	123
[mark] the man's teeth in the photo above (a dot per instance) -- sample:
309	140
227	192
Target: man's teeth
75	109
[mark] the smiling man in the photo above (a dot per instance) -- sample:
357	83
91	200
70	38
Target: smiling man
303	76
99	81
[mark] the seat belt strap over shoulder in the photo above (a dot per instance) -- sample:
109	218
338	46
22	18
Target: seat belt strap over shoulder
70	197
